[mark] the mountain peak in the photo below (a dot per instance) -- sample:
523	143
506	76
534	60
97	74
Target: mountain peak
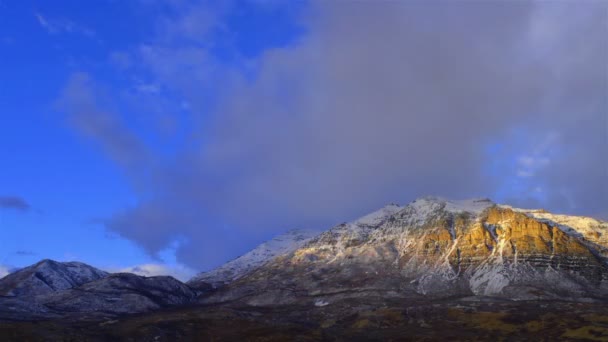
473	205
378	216
439	247
48	276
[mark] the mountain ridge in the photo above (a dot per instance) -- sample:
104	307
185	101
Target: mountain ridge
48	276
429	249
50	289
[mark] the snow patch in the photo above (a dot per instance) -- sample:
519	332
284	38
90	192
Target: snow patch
474	206
379	216
489	279
421	210
320	302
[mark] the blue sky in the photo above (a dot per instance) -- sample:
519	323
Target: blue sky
69	183
180	134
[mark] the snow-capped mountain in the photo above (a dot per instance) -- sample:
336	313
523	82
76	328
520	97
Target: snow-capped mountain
51	289
243	265
48	276
435	247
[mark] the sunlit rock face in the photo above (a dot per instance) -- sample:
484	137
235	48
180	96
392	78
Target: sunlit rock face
439	248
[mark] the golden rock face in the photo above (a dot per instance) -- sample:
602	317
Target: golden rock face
502	234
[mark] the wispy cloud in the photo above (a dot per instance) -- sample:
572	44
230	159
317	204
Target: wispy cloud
14	202
57	26
25	253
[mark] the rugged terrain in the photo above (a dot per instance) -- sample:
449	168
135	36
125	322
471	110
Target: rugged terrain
434	269
48	276
54	290
434	249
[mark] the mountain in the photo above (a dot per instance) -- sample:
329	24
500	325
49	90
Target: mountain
243	265
437	248
121	293
48	276
434	269
51	289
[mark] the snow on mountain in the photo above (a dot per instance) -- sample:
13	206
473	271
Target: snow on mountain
377	217
423	209
439	247
64	297
415	213
250	261
48	276
120	293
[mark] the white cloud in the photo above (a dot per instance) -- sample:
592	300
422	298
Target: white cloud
44	23
148	88
530	164
4	270
56	26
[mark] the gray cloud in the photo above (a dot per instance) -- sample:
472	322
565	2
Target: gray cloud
378	102
90	111
14	202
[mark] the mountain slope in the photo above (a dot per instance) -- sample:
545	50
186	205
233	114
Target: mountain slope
254	259
48	276
107	296
438	248
121	293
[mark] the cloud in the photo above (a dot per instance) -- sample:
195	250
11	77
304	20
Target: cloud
57	26
179	272
4	271
377	102
88	111
25	253
14	202
534	161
